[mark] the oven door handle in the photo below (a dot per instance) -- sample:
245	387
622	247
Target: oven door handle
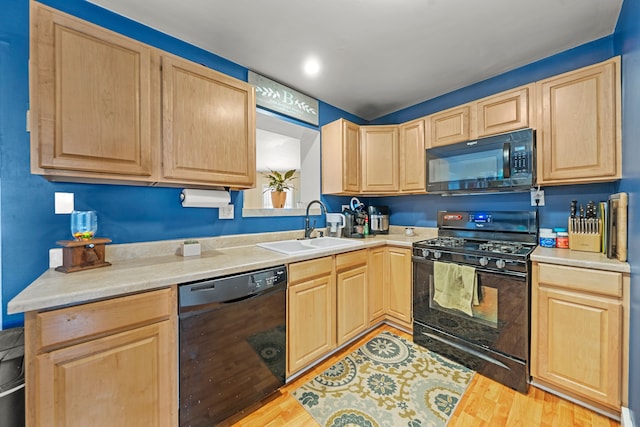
520	274
509	273
468	350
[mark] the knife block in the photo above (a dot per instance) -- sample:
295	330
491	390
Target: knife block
586	242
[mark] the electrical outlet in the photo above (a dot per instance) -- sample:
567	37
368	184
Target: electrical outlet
537	194
55	257
225	212
345	207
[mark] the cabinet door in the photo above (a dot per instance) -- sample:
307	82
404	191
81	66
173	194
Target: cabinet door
504	112
412	157
90	99
123	379
311	321
578	139
398	301
353	317
379	158
579	343
450	126
377	279
340	157
208	125
351	164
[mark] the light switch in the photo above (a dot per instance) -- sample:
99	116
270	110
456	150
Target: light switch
63	203
225	212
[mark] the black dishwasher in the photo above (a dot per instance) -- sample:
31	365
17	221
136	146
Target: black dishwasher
232	343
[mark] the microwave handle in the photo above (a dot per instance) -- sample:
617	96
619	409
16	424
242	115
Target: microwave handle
506	160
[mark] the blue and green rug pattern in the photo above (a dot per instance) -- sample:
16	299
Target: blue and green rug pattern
388	381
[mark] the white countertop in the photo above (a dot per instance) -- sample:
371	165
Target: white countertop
571	258
152	265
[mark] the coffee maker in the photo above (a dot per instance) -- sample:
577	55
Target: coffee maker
378	219
355	220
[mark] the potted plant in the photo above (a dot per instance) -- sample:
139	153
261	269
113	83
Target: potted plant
278	183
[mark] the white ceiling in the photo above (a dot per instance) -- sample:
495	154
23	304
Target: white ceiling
378	56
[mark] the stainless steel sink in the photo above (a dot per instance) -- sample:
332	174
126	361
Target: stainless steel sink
292	247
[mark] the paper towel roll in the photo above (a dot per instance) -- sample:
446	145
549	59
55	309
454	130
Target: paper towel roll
192	198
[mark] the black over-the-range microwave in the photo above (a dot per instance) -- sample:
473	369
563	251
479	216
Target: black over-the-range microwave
504	162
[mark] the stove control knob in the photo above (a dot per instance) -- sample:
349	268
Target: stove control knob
500	263
483	261
437	254
425	253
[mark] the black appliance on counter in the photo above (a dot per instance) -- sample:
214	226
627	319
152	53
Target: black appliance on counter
232	343
503	162
378	219
355	220
493	338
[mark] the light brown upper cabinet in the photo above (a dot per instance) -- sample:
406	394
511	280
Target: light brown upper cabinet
379	146
450	126
208	125
373	159
103	111
91	94
504	112
579	136
341	158
412	156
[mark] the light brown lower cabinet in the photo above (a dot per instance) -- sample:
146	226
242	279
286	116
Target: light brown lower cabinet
579	333
351	283
398	289
311	312
106	363
377	266
390	290
332	300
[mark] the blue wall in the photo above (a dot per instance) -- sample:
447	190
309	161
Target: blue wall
125	213
628	44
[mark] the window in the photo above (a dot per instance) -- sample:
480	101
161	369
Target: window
282	145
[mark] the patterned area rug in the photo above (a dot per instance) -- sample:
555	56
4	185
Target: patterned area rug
389	381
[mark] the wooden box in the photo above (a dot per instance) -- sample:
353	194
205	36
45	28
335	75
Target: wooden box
585	238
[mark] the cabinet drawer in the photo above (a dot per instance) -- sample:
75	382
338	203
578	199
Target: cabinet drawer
351	259
87	321
581	279
304	270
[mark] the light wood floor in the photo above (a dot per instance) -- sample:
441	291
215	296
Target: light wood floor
485	403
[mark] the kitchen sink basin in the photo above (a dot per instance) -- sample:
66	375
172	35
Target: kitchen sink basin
292	247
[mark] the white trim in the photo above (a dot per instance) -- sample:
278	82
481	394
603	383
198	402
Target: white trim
626	420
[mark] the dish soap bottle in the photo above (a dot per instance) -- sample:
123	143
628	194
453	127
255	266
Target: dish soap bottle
366	226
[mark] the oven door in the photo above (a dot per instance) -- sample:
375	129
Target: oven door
500	321
494	341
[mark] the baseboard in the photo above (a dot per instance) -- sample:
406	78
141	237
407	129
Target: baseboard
593	407
626	420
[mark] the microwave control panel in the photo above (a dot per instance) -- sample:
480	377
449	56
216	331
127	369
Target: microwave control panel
520	160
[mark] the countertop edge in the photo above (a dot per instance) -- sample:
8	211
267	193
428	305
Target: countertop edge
54	289
567	257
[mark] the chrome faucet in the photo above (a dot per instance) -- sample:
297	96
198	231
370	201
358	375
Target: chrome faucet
307	228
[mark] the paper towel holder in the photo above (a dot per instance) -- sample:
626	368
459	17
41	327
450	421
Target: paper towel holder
198	198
